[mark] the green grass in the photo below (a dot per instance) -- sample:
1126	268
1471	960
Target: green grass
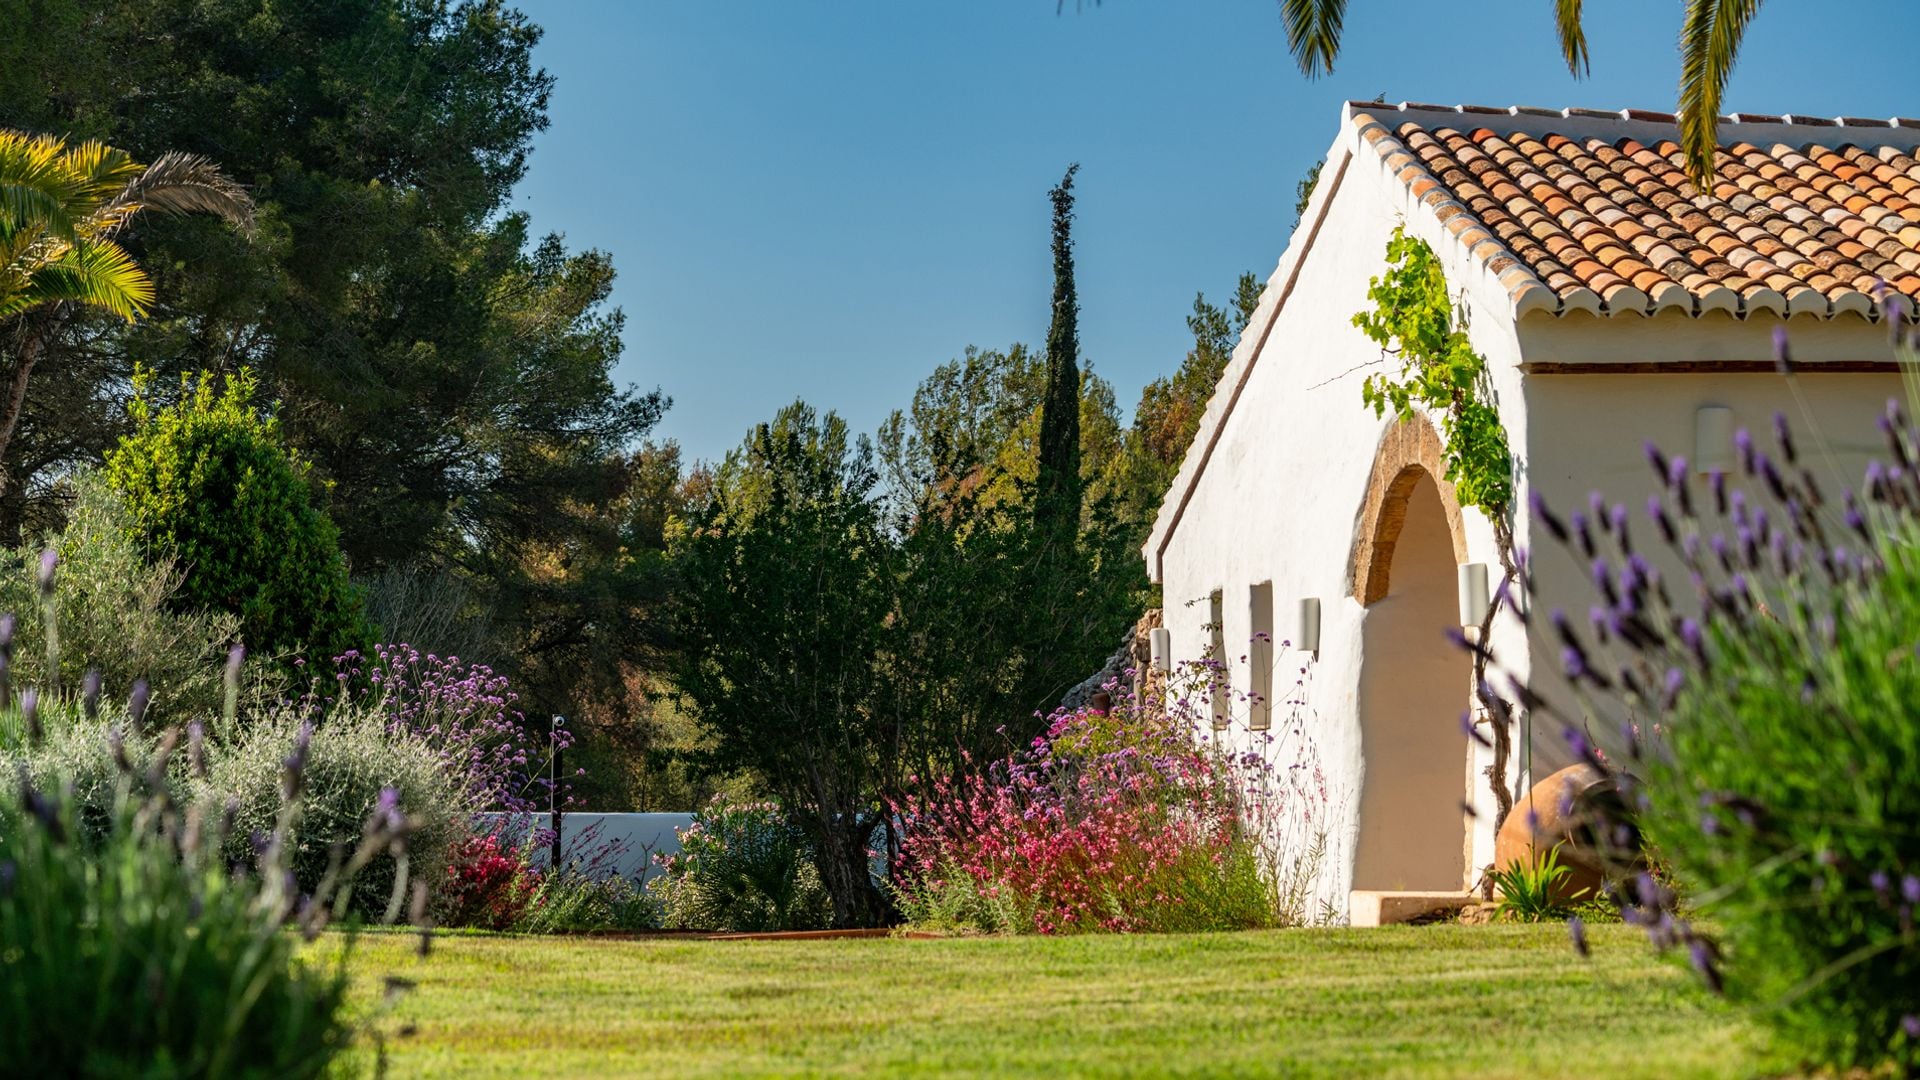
1499	1001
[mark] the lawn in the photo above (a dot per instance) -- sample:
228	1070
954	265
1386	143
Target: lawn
1432	1001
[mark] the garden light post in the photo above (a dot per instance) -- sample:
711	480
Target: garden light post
553	788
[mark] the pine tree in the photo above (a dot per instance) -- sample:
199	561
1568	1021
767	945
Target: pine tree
1057	503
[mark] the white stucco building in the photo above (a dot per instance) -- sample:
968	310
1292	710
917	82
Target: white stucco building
1615	305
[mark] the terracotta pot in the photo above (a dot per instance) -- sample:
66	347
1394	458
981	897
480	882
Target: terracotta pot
1560	810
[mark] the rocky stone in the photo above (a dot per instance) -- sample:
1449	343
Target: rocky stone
1128	669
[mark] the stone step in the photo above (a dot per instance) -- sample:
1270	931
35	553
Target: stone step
1381	907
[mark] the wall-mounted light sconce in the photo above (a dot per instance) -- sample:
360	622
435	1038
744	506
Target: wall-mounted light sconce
1162	645
1306	632
1473	594
1712	438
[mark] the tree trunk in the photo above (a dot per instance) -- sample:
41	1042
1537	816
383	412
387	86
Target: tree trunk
33	338
846	871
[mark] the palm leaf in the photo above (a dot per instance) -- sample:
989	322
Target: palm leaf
1573	36
96	171
33	208
1313	32
36	192
96	273
1709	45
179	184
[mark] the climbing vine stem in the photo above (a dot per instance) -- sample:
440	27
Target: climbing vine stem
1417	324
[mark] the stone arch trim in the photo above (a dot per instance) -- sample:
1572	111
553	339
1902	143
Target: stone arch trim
1409	450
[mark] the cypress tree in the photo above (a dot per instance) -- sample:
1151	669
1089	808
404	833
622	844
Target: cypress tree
1057	503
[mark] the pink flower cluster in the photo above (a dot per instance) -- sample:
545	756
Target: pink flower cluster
489	885
1101	824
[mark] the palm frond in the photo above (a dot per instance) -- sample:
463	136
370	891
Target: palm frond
60	204
36	192
96	171
97	273
31	208
1709	44
1313	33
180	184
1573	36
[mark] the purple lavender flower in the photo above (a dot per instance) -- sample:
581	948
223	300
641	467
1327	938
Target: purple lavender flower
1546	516
1771	474
1577	741
387	809
1617	520
1657	510
1694	639
1718	542
30	713
1603	581
1656	458
49	559
1472	730
1577	932
293	769
1706	961
1583	533
197	748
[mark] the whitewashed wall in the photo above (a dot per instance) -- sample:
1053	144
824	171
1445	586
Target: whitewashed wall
613	843
1590	431
1280	499
1280	495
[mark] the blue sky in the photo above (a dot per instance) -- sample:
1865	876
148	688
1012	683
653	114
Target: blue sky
826	198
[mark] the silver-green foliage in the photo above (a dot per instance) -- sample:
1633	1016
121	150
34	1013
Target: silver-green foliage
115	615
351	759
71	757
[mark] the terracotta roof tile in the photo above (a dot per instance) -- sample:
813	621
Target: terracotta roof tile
1579	219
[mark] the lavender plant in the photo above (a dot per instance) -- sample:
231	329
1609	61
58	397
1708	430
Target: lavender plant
148	953
1765	688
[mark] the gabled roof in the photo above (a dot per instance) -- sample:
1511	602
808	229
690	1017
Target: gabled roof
1583	210
1590	210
